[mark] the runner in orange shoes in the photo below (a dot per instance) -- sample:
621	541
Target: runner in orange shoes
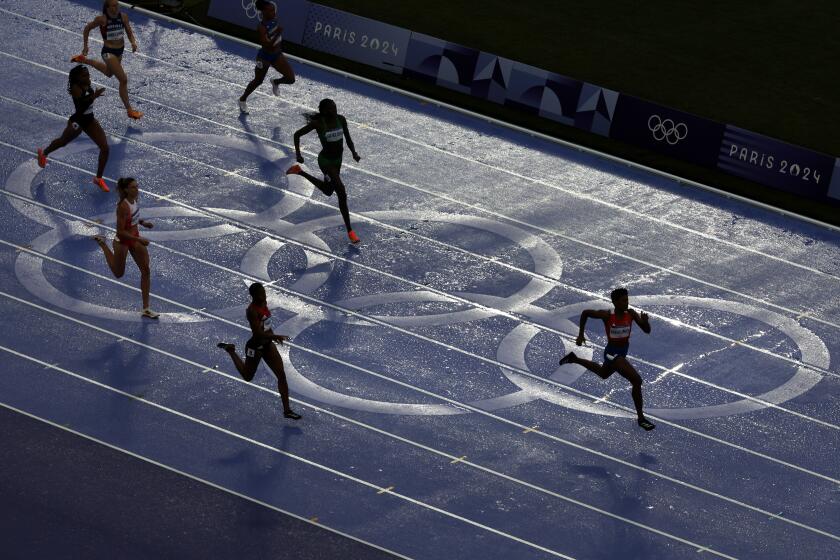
332	131
82	120
112	24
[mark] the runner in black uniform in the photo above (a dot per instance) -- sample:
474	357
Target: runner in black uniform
332	130
270	55
261	346
112	24
78	86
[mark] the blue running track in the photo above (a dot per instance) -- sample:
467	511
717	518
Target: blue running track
436	422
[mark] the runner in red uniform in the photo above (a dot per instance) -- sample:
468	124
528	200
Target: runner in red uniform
128	240
261	346
618	324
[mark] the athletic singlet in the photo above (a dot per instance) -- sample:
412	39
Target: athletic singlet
265	316
272	30
113	29
332	139
618	330
84	104
134	216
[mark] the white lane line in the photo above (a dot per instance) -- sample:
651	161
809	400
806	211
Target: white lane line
441	151
452	247
465	204
403	330
516	424
674	369
290	455
66	428
418	445
492	260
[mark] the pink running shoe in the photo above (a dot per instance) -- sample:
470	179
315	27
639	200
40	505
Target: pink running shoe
42	158
294	170
353	237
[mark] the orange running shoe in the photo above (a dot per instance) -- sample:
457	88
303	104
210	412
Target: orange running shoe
134	114
353	237
80	58
294	170
99	182
42	158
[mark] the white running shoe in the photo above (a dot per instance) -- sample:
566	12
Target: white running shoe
243	107
150	314
275	87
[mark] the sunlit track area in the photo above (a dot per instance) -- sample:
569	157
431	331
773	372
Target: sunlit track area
436	421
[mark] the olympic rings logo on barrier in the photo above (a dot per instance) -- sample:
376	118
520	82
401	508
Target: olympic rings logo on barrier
250	9
512	349
667	130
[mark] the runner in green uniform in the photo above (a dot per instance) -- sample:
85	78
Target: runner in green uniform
332	131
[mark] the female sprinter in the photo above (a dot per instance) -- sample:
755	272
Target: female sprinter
112	24
270	55
128	240
332	130
618	324
261	346
82	120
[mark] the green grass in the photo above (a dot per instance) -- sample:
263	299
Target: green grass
765	66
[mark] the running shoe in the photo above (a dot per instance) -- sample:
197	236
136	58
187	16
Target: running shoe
99	182
291	414
42	158
226	347
294	170
150	314
353	237
134	114
243	107
646	424
275	87
567	359
79	58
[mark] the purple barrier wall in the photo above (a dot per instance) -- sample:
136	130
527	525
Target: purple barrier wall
775	163
666	130
242	12
356	38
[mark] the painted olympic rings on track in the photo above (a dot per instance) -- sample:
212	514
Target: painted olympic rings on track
512	348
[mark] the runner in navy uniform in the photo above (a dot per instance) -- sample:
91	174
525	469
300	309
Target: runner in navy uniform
82	120
618	325
261	346
112	24
270	55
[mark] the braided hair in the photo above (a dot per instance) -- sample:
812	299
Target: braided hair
73	76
